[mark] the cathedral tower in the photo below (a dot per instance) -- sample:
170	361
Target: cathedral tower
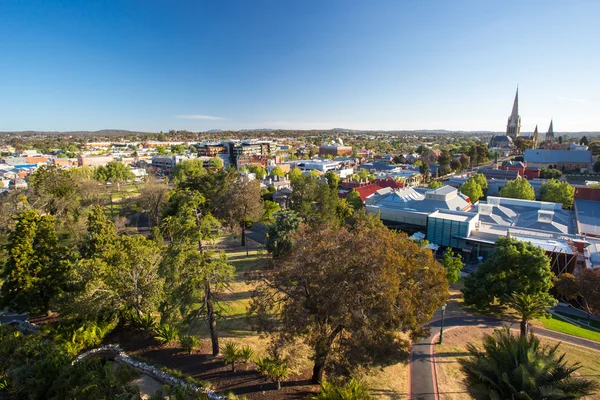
535	138
550	134
513	128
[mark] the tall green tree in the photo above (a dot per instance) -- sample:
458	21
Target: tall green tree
347	292
519	367
453	264
314	200
277	171
333	179
114	173
354	200
55	190
472	189
280	236
188	170
512	267
435	185
481	181
215	163
116	274
518	189
558	192
195	280
37	266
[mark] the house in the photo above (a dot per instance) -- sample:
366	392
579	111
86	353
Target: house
521	168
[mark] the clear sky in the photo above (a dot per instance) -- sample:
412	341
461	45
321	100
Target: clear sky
224	64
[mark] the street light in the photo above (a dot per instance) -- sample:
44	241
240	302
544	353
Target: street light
442	327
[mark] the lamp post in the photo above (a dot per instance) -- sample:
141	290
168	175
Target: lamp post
442	327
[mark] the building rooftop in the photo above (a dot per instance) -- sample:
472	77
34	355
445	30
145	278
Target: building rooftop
453	216
444	198
556	156
588	216
526	214
551	245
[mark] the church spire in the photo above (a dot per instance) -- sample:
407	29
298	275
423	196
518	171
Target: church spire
515	110
513	127
535	137
550	134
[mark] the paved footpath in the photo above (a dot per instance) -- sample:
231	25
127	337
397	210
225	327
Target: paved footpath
422	369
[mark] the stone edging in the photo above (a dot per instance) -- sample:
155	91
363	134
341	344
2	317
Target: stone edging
116	353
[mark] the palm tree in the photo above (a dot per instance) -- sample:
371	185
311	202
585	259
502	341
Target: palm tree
529	307
518	367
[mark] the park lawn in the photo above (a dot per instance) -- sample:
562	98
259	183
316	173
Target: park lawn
584	320
455	346
557	324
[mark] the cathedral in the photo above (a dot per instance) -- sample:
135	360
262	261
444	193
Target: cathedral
504	143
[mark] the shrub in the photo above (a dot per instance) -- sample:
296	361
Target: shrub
189	343
231	354
354	389
145	322
166	333
246	354
275	368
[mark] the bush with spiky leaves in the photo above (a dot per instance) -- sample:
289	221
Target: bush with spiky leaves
231	354
275	368
354	389
519	367
189	343
166	333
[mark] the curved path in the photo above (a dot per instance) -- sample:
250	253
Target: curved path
423	382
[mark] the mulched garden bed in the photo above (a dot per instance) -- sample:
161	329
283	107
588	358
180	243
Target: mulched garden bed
246	381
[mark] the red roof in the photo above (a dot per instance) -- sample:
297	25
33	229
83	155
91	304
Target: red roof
367	190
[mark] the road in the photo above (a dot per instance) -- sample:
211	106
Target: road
258	233
143	223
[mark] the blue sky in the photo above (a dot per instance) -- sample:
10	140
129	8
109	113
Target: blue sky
197	65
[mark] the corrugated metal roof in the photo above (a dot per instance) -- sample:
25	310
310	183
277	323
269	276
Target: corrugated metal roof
556	156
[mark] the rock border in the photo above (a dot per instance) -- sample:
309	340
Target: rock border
116	353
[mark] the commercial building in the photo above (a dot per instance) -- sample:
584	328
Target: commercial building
408	209
335	148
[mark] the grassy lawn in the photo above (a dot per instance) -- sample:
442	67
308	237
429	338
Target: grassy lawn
557	324
454	347
584	320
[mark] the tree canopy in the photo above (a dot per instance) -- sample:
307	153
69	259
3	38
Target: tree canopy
518	189
472	189
512	267
394	285
37	267
558	192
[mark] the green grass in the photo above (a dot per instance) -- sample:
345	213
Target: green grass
557	324
583	320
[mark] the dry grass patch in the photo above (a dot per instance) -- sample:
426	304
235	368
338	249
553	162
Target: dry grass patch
455	346
390	382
